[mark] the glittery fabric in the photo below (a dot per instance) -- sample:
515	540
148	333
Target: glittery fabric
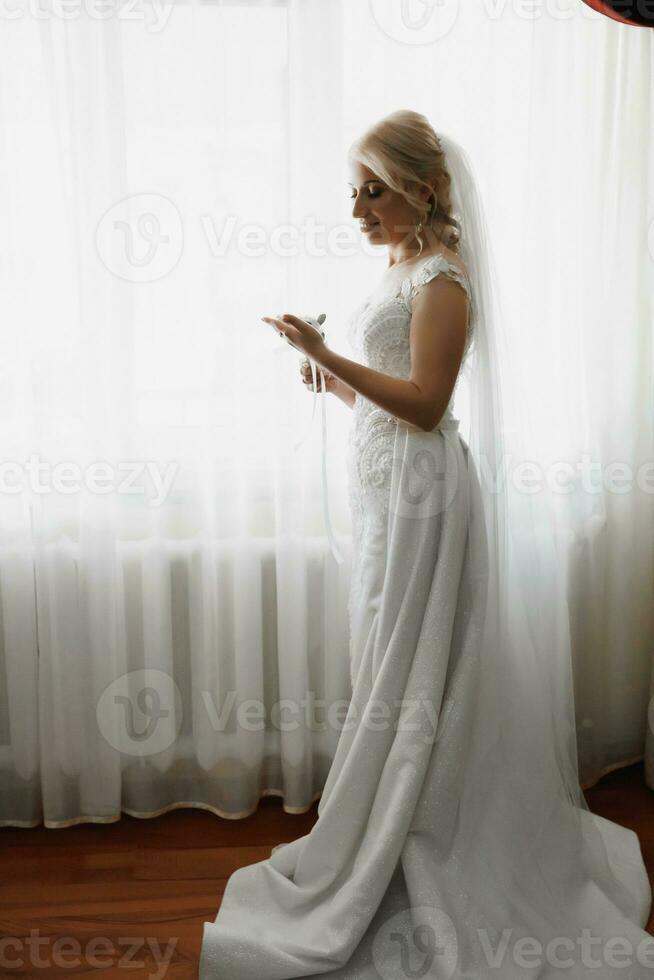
414	869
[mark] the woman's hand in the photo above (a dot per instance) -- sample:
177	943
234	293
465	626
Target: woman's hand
332	384
331	381
300	335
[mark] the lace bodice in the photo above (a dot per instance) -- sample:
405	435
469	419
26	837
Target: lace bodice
378	332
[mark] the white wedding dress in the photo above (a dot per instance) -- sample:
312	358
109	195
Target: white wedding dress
396	879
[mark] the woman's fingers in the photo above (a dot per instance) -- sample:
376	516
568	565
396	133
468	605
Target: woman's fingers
305	370
294	321
306	373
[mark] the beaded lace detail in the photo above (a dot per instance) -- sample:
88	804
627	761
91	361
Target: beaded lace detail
378	332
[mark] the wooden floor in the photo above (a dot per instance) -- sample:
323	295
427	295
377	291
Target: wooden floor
147	886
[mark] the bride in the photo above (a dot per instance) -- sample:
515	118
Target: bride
453	839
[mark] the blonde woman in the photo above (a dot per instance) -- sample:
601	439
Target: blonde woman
452	840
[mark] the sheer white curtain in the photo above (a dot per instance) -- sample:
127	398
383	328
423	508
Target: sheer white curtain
168	178
148	212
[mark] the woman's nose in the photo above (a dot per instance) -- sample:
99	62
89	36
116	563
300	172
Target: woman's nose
358	211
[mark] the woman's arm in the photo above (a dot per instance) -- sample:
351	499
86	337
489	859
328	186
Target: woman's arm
344	392
437	340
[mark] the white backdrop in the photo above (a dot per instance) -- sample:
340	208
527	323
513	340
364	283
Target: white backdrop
168	175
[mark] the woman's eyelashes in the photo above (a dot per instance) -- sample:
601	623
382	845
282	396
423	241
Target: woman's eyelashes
372	193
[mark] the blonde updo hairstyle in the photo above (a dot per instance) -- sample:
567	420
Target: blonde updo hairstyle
403	150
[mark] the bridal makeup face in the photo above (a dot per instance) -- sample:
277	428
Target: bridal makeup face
382	213
373	206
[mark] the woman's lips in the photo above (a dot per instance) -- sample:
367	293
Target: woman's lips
368	227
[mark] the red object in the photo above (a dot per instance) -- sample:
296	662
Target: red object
608	11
